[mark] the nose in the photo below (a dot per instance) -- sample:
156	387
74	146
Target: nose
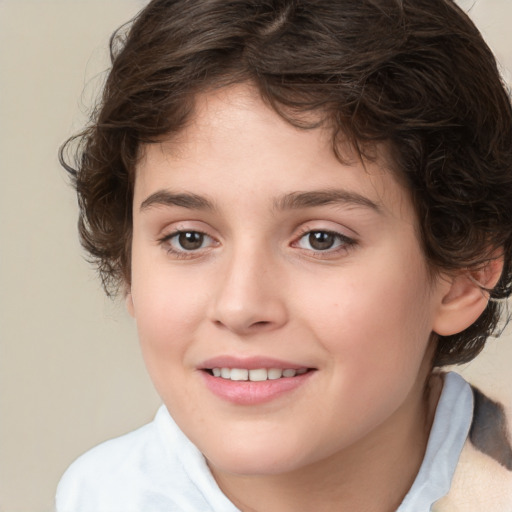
250	296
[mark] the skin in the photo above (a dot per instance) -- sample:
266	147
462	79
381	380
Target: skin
360	313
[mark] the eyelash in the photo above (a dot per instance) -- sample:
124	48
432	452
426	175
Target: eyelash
183	253
344	243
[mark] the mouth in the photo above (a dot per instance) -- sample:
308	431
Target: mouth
256	374
253	381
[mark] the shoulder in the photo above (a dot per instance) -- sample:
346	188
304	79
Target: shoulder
153	469
483	477
112	454
106	472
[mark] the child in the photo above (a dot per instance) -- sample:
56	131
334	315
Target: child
308	207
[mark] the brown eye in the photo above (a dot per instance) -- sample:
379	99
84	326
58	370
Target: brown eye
190	240
321	240
184	244
329	242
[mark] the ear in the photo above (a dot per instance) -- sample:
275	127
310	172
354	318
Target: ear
465	297
129	303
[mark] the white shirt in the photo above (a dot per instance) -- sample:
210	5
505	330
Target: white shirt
157	469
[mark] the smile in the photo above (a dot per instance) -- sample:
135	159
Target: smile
255	375
253	381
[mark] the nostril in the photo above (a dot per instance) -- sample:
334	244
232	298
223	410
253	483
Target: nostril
260	324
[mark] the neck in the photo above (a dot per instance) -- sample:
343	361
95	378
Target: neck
372	476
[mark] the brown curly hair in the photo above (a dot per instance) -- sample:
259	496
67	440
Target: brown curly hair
414	74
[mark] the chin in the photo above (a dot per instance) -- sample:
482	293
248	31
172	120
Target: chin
256	460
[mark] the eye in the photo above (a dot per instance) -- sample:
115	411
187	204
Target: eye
323	241
187	241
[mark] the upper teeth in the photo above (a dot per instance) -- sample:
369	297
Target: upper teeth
259	374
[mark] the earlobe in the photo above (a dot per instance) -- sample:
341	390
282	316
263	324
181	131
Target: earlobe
466	297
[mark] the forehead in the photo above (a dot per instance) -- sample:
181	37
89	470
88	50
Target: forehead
235	142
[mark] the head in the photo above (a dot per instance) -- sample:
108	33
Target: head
322	186
411	76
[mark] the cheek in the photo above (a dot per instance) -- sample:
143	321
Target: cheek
165	319
167	308
166	325
375	336
373	321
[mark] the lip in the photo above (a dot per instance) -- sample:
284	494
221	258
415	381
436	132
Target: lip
249	392
250	363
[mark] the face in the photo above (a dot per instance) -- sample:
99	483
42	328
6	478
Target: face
283	304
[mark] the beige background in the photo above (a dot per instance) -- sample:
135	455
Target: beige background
70	370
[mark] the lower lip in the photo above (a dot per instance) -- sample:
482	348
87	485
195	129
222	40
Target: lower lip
253	393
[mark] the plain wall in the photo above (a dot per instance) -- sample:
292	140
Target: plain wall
70	370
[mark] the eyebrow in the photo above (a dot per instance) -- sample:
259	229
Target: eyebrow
185	200
297	200
291	201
